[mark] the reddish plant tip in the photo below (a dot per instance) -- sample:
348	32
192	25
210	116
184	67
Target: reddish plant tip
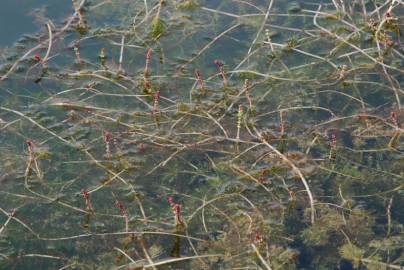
333	141
37	58
157	96
171	200
176	210
86	196
107	136
121	207
218	63
258	237
85	193
29	143
282	128
199	78
149	54
393	117
141	147
147	84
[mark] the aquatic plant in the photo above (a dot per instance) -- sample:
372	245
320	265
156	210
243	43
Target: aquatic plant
287	153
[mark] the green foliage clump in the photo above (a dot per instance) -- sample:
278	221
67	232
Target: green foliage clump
188	5
157	28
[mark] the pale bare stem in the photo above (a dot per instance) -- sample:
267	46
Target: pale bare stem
261	27
20	222
388	77
396	91
160	5
125	254
337	7
207	46
43	256
388	210
106	182
120	178
306	53
343	7
198	257
364	8
249	176
382	264
121	53
146	9
102	235
206	203
311	145
221	12
29	163
84	150
239	119
146	253
203	216
264	262
378	8
49	44
39	46
350	44
294	168
315	108
38	171
169	261
10	216
77	8
164	162
251	5
217	123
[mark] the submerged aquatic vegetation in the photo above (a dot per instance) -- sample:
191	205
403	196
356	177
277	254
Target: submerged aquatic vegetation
288	156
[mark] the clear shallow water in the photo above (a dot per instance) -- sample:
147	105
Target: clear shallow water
171	159
17	17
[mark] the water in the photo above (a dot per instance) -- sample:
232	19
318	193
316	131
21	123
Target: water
209	140
19	17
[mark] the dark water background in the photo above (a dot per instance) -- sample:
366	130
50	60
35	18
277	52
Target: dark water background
17	17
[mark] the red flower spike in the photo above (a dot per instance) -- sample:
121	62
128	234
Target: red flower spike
246	89
176	210
218	63
282	128
37	58
148	59
393	117
107	136
147	83
86	196
29	144
120	206
199	78
333	141
108	139
156	99
149	54
170	201
258	237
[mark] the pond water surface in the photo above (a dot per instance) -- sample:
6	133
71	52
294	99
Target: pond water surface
201	134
